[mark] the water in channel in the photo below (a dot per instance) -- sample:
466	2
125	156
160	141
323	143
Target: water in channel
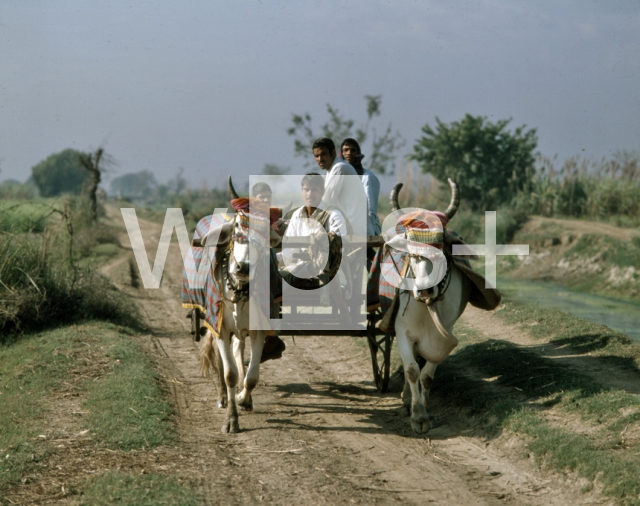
616	314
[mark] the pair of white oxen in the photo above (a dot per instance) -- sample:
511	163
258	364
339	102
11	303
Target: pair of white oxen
422	328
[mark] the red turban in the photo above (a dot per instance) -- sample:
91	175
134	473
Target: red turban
246	204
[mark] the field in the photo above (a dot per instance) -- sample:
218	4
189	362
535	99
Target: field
534	407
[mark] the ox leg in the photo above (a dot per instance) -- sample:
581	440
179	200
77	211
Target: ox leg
245	401
210	361
405	410
230	424
237	344
419	419
426	380
222	384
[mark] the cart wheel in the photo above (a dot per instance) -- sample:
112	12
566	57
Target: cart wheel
380	348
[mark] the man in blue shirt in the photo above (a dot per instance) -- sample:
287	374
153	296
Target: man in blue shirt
352	155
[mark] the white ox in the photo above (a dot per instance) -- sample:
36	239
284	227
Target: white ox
226	357
424	325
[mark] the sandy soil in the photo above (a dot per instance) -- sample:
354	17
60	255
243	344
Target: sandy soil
320	433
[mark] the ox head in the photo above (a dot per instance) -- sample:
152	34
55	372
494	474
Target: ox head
249	230
423	240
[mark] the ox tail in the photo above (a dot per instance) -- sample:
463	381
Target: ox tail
208	356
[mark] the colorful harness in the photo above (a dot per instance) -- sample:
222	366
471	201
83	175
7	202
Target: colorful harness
414	236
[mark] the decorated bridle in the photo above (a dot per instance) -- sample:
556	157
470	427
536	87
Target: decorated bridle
247	227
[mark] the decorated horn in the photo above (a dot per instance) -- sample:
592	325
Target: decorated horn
232	191
455	200
393	198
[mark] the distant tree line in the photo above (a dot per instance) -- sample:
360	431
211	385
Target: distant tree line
494	166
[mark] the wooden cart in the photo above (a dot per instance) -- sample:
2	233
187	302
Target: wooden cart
379	342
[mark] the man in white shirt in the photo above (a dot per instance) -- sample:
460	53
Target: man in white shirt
351	153
307	221
340	192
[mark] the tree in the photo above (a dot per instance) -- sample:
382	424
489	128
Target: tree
91	162
60	173
489	163
383	147
134	184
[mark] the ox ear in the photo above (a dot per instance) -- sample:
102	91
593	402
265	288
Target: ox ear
218	235
274	239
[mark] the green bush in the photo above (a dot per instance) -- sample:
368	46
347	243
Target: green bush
23	217
489	163
16	190
41	283
606	190
41	289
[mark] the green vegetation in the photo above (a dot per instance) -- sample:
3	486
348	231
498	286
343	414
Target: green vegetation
98	360
146	490
134	185
29	370
60	173
46	279
489	163
379	154
608	249
606	190
599	458
494	167
422	191
195	204
15	190
24	216
564	329
614	266
137	416
597	260
511	388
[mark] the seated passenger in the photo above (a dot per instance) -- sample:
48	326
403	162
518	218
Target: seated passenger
350	152
300	265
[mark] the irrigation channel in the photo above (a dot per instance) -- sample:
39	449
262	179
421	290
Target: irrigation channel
620	315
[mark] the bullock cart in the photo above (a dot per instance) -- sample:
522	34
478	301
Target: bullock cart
322	324
307	304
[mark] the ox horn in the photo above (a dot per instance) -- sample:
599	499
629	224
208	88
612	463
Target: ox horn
287	208
393	198
233	194
455	200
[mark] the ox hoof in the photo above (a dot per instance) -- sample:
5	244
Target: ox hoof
420	427
222	403
230	427
420	419
432	421
246	405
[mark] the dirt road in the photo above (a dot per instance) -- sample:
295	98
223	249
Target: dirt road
320	433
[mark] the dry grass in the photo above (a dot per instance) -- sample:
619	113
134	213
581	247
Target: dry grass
45	274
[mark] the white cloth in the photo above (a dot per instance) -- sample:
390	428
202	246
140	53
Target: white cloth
371	185
301	226
347	194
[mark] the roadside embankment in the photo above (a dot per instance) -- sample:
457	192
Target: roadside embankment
585	256
556	389
77	401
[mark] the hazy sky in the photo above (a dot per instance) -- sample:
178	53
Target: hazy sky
211	86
